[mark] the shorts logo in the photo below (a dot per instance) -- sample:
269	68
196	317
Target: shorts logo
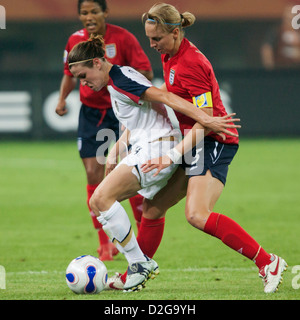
215	155
137	149
111	50
172	76
203	101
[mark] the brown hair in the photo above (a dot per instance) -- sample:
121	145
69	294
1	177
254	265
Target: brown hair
84	52
168	17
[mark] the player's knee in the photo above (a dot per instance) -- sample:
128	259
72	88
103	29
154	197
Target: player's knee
93	176
94	173
101	200
97	202
197	217
151	211
93	206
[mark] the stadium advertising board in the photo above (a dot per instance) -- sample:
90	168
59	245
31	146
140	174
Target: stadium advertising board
258	97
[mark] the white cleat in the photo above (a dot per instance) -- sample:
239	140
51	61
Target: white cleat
139	273
271	274
155	269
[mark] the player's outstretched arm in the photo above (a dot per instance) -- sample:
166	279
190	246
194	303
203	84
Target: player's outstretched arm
217	124
119	149
195	135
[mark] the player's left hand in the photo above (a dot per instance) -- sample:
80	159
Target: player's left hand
156	163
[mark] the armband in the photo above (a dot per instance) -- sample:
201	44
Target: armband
174	155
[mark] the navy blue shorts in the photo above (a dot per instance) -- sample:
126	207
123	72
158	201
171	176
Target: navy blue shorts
92	120
211	155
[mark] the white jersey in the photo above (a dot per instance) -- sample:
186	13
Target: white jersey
146	121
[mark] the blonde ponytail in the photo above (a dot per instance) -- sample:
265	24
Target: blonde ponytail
168	17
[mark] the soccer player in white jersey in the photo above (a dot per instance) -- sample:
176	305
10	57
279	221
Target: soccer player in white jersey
138	105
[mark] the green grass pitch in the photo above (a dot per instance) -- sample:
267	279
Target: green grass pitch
44	224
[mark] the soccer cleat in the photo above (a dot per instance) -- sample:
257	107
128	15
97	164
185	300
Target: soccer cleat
139	273
115	282
155	269
271	274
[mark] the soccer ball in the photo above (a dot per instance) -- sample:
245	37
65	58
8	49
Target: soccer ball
86	274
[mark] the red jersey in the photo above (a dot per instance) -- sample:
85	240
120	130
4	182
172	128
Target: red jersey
121	47
190	75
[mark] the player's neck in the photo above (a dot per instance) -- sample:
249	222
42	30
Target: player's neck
175	48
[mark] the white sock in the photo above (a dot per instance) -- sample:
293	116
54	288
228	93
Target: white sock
117	226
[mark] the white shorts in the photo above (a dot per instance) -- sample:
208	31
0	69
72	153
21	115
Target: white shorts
139	154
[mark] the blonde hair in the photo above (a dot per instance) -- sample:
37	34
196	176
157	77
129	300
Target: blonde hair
168	17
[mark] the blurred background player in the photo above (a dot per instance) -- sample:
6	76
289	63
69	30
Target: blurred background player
122	48
281	48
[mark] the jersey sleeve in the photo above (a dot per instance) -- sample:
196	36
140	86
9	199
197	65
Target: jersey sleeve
66	66
129	82
196	79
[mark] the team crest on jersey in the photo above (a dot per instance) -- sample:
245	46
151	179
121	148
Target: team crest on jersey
111	50
172	76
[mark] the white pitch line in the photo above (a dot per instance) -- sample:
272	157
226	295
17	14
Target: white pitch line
184	270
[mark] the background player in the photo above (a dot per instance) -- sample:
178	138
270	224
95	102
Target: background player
122	48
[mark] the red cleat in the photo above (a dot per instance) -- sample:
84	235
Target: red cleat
107	252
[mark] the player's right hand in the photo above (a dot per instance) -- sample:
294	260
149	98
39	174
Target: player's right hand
61	108
111	163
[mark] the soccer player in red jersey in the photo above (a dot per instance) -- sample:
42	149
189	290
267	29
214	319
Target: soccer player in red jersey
189	74
122	48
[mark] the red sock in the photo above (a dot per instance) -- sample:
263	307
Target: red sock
150	235
136	203
149	238
235	237
103	238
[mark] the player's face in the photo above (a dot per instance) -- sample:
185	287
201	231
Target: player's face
160	40
95	78
92	17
